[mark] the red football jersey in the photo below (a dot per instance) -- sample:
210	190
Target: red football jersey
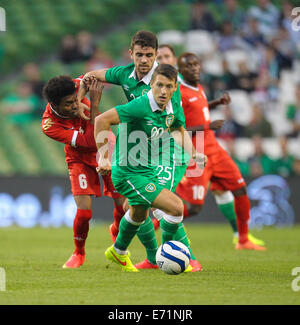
76	133
196	111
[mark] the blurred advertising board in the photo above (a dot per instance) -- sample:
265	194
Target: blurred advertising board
48	202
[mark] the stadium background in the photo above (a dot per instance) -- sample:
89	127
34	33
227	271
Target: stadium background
256	61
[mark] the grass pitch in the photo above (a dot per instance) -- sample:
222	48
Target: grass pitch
32	259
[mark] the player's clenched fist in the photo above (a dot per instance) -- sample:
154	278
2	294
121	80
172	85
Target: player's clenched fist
104	166
224	99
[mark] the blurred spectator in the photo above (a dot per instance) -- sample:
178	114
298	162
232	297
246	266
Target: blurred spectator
284	49
20	107
218	84
99	60
230	129
231	11
201	18
293	113
267	16
260	162
33	77
285	164
68	49
251	33
245	78
260	94
125	58
258	125
286	21
243	166
228	39
85	46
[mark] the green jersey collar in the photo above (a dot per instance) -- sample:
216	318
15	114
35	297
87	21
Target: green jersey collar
147	77
155	107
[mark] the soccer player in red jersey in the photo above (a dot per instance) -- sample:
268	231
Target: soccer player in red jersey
72	123
220	169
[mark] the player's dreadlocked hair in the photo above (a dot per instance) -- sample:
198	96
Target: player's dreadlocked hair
166	70
57	88
144	39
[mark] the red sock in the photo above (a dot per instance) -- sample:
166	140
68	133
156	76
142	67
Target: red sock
81	229
156	223
118	214
185	211
242	209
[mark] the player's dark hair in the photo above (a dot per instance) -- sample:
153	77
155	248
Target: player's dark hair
144	39
170	47
57	88
166	70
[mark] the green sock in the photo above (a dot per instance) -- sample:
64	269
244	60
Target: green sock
168	230
229	213
182	237
146	235
126	233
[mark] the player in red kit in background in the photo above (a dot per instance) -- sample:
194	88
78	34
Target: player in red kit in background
72	123
220	169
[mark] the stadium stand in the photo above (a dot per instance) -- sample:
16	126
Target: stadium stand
34	32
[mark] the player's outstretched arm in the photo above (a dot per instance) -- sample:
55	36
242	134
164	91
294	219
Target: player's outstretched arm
103	123
182	137
215	125
86	81
95	92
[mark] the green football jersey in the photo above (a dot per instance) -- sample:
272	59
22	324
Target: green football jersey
125	77
143	131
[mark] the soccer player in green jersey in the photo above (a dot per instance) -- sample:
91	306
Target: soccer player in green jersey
135	81
147	119
224	199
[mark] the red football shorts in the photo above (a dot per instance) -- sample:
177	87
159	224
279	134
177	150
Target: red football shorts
85	181
220	170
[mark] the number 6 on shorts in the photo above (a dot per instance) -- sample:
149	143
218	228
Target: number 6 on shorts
82	181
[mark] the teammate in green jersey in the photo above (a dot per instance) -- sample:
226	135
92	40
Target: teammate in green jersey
146	119
224	199
135	81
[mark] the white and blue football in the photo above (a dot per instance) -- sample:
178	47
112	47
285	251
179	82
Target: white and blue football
173	257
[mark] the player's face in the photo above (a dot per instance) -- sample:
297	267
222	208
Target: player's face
165	56
163	89
190	68
143	58
68	105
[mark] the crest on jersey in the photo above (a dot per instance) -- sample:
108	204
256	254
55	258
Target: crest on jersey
169	120
47	124
150	187
145	91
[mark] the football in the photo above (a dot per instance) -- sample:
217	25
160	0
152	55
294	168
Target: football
173	257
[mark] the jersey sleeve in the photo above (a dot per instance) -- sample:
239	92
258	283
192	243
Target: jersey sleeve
114	75
58	133
132	110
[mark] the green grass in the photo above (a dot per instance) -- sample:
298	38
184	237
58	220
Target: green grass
32	259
